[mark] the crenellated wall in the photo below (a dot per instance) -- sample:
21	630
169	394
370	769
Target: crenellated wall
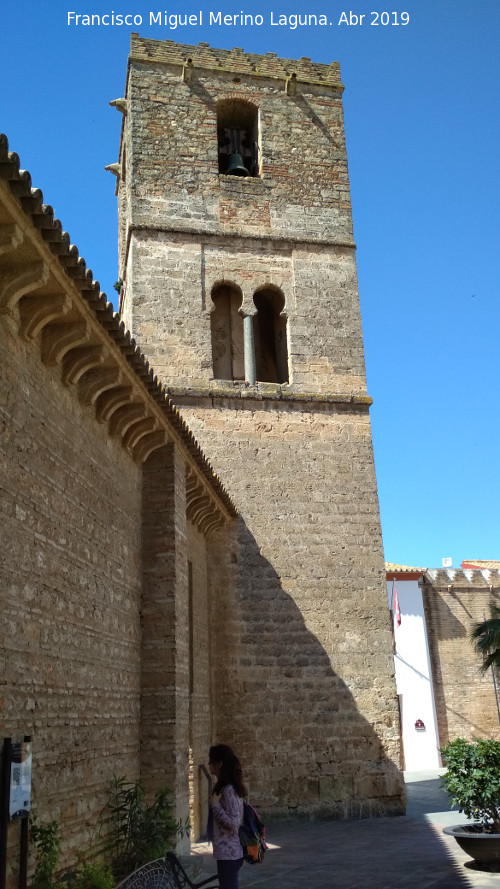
466	702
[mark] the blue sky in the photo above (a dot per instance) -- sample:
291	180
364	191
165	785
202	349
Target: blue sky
422	123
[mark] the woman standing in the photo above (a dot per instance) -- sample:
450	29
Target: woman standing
226	810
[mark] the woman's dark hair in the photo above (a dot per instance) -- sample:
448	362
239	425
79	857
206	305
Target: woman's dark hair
230	771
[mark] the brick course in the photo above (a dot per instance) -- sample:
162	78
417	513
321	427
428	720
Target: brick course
71	580
465	699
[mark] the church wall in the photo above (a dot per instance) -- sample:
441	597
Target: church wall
177	692
173	277
165	646
301	646
171	146
70	634
101	485
302	649
200	688
466	706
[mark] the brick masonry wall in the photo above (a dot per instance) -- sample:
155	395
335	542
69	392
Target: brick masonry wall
176	701
302	651
171	151
200	700
172	278
164	701
465	698
70	637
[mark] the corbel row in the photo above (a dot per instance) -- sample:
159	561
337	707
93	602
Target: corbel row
200	506
67	339
47	287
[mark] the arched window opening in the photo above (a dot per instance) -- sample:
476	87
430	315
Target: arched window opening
227	334
271	348
238	138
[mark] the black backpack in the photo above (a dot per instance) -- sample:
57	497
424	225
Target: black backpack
252	835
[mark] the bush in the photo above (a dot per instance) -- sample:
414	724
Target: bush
86	874
136	832
47	843
132	833
472	779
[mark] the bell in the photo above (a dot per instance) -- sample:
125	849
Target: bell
235	165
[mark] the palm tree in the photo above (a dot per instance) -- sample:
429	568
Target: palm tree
486	639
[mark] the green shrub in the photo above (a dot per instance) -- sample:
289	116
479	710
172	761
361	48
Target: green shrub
47	844
85	874
134	831
88	875
472	779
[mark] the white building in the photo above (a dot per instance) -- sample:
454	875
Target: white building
420	744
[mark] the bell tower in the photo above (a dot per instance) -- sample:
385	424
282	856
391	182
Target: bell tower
239	284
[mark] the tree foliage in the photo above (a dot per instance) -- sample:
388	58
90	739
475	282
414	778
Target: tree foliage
486	638
472	779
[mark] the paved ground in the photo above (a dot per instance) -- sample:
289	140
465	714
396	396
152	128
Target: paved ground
405	852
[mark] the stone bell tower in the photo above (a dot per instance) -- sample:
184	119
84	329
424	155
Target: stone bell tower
239	283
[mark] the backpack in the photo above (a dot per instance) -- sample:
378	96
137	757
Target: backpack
252	833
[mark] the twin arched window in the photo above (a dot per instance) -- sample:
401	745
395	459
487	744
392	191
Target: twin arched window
267	336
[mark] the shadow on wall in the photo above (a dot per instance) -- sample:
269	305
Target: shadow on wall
306	748
464	699
447	624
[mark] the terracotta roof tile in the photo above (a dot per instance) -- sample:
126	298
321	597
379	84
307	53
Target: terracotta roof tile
393	567
481	564
50	229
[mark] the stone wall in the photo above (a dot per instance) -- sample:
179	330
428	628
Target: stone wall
465	699
301	647
173	277
101	479
170	144
200	684
71	586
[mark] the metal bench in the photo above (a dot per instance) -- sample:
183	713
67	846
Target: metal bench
165	873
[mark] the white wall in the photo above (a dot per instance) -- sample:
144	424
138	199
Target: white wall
413	679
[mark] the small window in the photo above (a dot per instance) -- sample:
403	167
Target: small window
238	138
271	348
227	334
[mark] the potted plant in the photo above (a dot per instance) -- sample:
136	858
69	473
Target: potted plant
472	781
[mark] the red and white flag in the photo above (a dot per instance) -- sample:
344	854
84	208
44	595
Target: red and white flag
395	605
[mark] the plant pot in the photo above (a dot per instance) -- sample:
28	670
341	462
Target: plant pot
482	846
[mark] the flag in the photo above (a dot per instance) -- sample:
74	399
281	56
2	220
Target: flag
395	605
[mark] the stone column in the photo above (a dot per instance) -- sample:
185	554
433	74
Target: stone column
249	348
